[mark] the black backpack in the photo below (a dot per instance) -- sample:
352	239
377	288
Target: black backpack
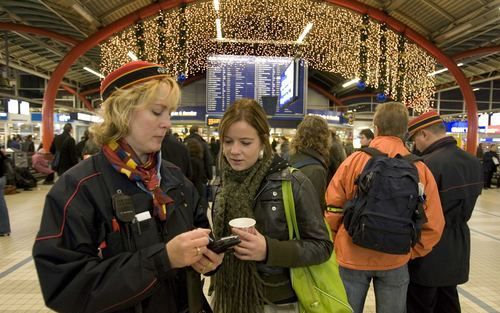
386	213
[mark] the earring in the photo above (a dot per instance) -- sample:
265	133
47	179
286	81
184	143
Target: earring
261	154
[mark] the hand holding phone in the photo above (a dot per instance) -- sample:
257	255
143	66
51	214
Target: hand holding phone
223	244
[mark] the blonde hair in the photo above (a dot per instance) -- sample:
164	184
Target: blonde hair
117	110
313	133
250	111
391	119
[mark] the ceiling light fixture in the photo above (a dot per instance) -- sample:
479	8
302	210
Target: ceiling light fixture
85	14
442	70
305	32
132	56
350	83
219	29
476	89
93	72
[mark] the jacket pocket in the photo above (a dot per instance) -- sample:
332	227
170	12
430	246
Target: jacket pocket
272	218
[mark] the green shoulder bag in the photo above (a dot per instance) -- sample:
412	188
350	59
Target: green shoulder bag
319	288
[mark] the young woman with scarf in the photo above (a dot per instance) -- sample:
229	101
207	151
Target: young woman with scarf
255	278
123	231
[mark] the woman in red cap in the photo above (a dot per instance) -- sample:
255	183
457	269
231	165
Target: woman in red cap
119	232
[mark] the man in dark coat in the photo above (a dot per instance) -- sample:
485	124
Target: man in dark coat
174	151
64	149
490	164
207	172
434	277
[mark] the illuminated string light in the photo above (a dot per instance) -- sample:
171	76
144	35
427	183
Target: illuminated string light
270	28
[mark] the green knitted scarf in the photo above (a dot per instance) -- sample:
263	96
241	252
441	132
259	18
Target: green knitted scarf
237	285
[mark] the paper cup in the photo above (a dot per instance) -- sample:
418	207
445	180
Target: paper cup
244	223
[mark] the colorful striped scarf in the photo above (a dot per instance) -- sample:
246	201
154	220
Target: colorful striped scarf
125	161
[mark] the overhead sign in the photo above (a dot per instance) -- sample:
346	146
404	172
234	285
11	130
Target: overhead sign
189	113
231	77
332	117
213	121
84	117
461	127
63	118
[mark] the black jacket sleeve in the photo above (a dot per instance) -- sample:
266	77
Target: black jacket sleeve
72	275
315	246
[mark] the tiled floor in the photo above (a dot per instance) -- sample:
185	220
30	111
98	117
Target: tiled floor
19	290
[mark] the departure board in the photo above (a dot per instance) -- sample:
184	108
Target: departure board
232	77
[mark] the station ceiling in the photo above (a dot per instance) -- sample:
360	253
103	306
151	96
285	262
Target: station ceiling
455	26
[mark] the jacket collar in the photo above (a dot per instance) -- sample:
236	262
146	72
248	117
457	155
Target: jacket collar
278	169
440	143
390	145
313	154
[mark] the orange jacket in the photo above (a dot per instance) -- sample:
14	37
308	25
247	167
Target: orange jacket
342	188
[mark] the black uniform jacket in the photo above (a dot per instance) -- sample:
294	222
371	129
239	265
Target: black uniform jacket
458	175
81	258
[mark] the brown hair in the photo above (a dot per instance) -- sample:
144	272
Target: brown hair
117	109
250	111
313	134
367	133
391	119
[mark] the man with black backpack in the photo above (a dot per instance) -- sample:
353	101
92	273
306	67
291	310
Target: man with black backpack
384	209
433	287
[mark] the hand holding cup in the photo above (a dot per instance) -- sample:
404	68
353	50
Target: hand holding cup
253	246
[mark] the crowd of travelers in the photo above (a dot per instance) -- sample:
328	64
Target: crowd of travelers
129	224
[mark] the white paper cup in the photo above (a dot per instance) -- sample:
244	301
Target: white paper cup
244	223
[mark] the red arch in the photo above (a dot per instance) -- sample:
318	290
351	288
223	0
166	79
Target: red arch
86	102
102	34
38	31
325	93
361	95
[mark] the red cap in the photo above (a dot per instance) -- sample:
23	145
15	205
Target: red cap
130	74
420	122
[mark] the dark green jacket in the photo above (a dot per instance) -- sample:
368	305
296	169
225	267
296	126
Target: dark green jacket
315	168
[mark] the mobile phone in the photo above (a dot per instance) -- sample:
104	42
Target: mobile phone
223	244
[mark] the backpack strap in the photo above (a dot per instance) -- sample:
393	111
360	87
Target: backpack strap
305	162
412	158
372	151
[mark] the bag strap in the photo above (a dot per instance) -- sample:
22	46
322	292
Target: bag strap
291	218
412	158
288	201
372	151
